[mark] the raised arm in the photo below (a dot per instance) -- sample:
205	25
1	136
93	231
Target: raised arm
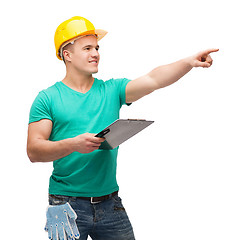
165	75
40	149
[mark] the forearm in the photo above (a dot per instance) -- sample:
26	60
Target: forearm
41	150
167	74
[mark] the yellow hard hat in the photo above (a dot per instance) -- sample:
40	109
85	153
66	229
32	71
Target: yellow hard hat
73	28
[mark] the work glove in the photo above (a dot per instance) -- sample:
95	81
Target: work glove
61	223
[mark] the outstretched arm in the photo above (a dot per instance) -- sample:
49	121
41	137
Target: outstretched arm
165	75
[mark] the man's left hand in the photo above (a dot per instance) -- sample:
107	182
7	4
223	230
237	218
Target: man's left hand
203	59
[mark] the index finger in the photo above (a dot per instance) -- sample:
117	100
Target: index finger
95	139
208	51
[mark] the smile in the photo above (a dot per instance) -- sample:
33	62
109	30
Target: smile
93	61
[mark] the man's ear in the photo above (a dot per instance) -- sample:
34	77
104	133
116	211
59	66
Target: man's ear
67	55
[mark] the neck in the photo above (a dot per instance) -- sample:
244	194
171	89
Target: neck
79	82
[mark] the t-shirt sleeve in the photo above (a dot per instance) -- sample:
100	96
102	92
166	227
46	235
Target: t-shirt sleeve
122	83
40	108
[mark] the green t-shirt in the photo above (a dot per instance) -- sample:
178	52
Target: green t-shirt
74	113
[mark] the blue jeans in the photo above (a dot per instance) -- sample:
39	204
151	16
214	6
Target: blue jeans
106	220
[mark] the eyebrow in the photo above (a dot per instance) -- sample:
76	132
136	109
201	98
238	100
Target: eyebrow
97	46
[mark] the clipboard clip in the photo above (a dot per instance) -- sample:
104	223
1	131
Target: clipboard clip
135	119
103	133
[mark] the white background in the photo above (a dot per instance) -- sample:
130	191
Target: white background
184	176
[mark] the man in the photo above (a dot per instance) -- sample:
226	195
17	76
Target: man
63	121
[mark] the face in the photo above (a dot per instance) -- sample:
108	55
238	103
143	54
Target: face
84	55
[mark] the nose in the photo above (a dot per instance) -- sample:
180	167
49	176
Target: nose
95	53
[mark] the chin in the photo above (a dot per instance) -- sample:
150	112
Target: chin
95	71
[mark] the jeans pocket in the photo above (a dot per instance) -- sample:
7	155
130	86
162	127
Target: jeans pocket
117	198
58	199
118	206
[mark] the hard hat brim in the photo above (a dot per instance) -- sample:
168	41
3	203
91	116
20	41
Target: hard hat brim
100	33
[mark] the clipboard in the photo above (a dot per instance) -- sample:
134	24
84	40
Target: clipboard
120	131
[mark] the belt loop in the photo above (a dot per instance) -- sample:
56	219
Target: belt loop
73	199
